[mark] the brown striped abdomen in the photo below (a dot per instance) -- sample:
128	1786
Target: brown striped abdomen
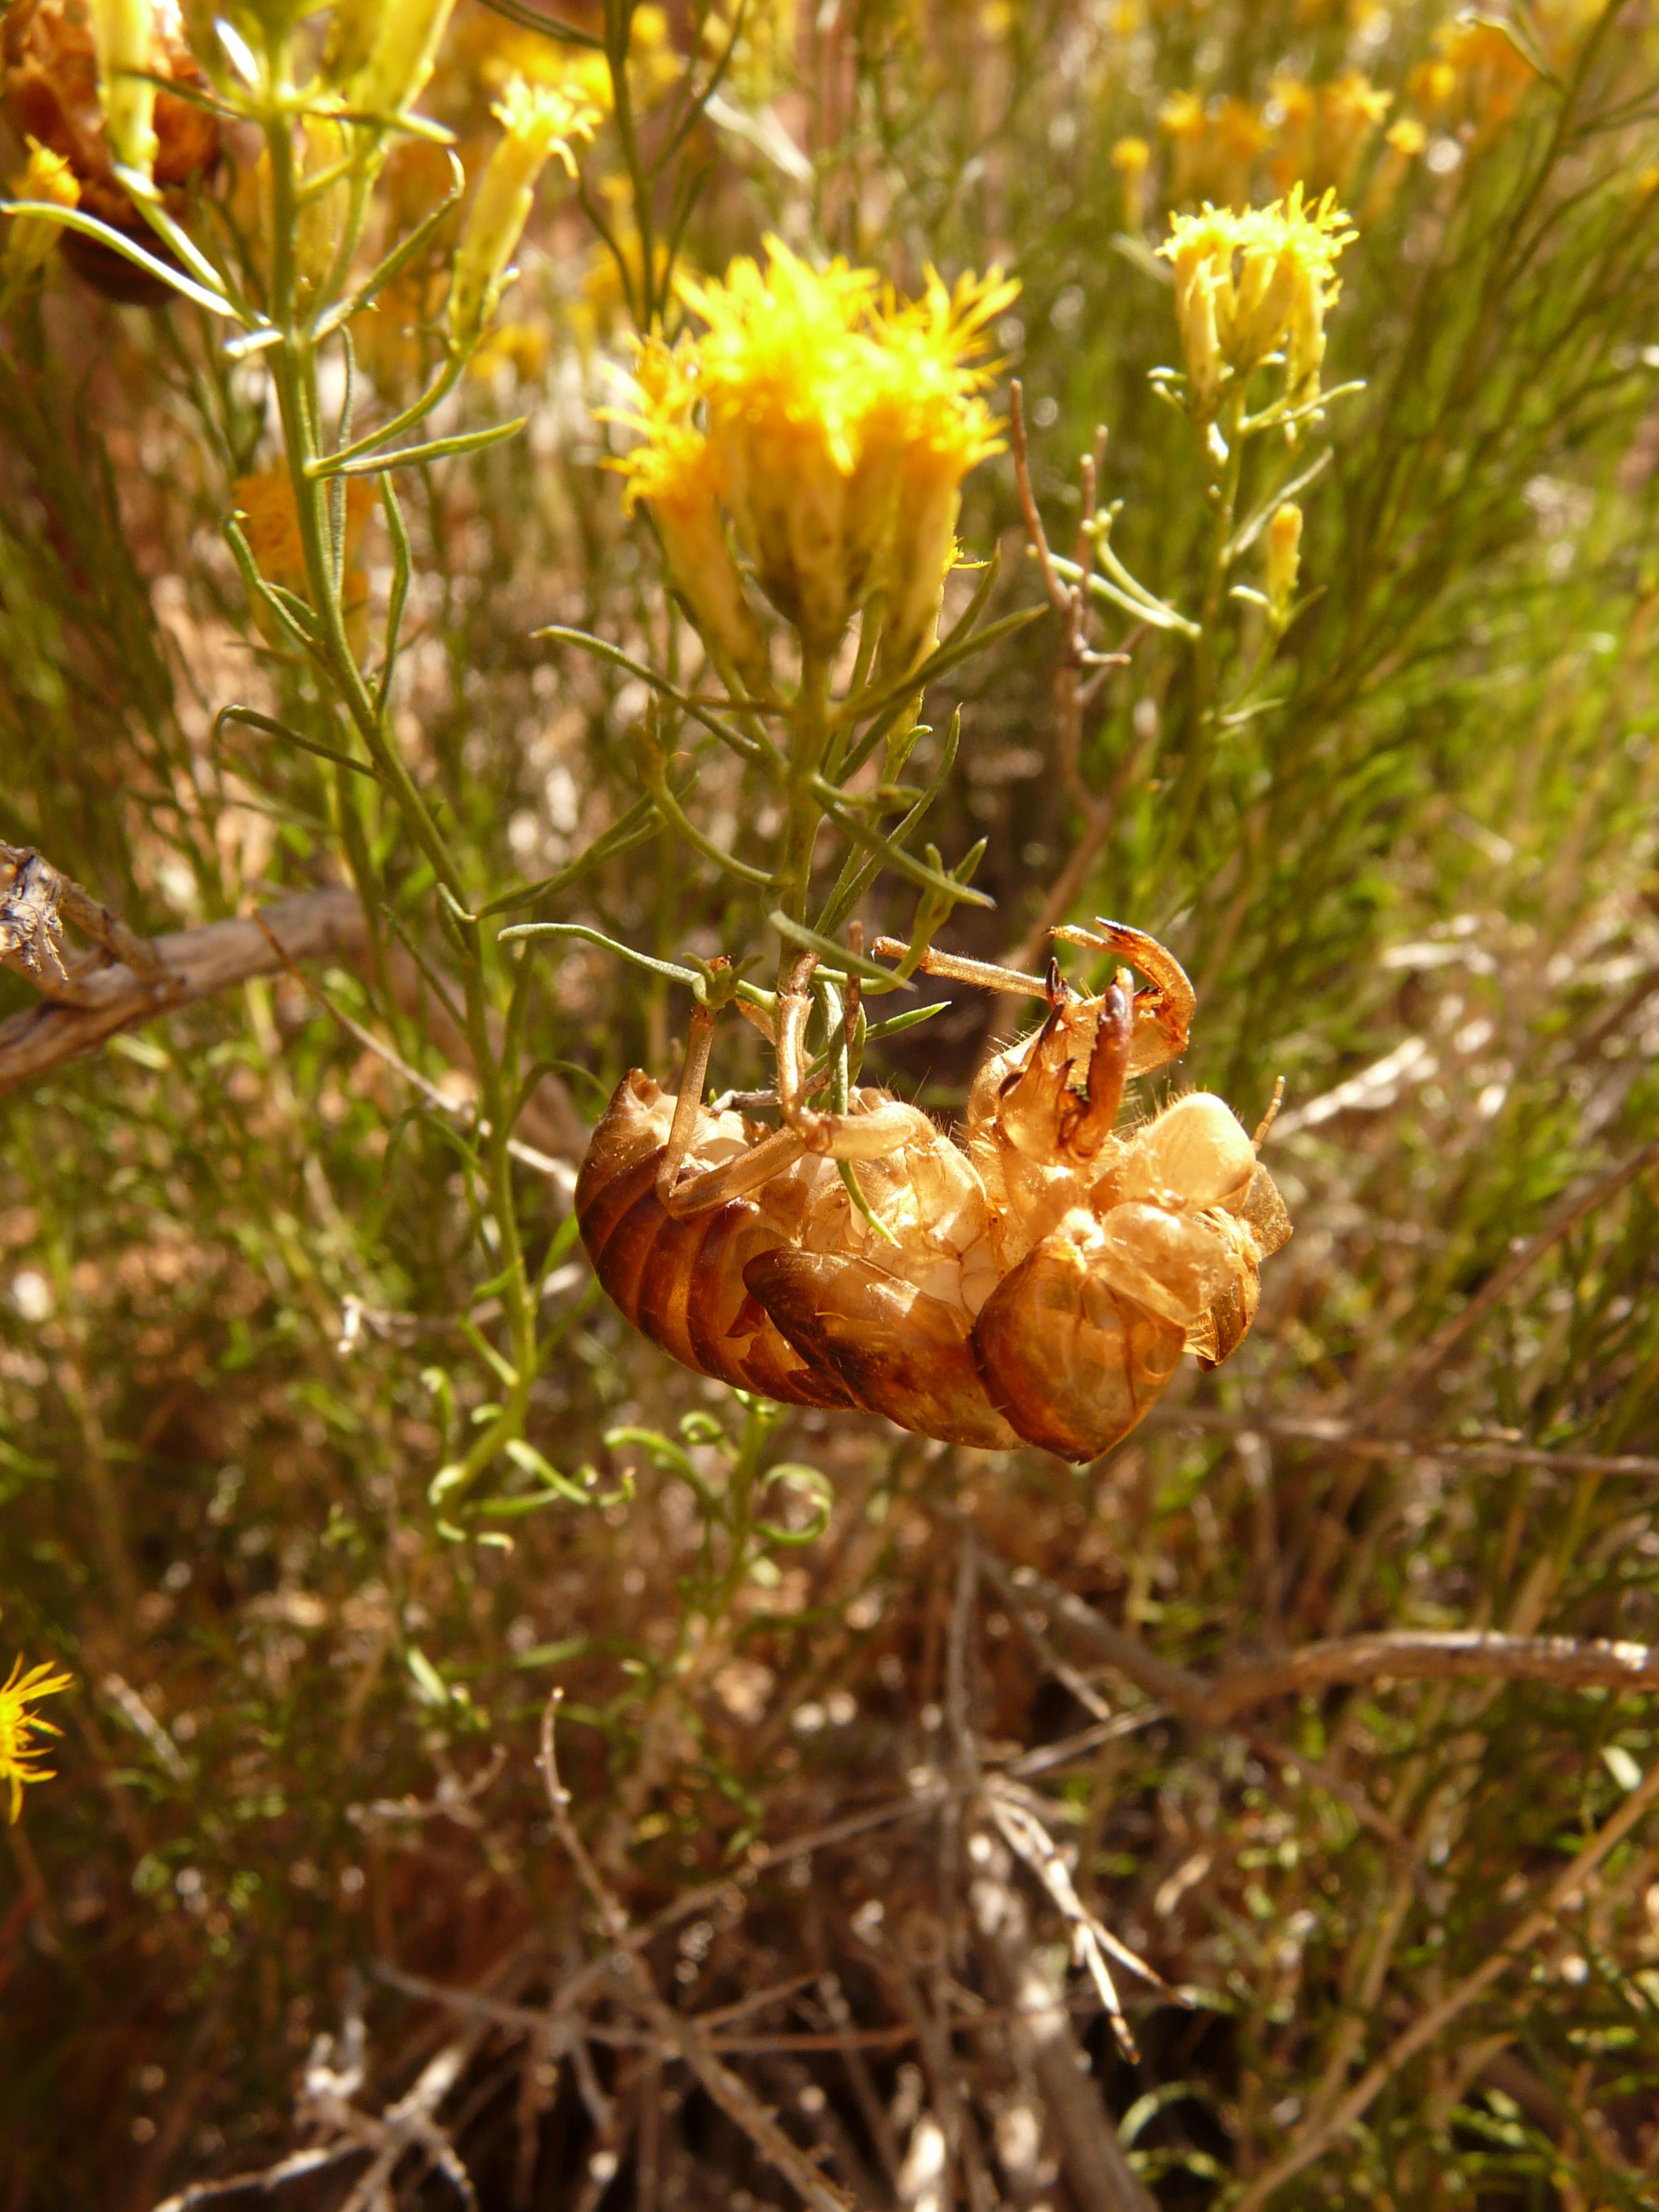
681	1282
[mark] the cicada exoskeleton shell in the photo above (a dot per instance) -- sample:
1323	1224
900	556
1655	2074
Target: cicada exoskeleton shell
1037	1282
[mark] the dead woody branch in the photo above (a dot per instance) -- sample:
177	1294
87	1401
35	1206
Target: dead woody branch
130	980
87	1003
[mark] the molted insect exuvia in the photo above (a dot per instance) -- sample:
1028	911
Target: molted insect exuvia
1037	1279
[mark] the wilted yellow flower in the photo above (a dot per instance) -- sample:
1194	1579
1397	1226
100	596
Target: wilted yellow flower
675	471
50	182
271	524
1284	561
832	427
353	25
765	50
1236	135
20	1751
1431	85
1248	282
1481	74
521	347
928	429
1182	116
1323	129
1182	120
603	305
538	124
487	50
324	144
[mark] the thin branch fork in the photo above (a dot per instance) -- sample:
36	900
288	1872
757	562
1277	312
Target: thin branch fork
1436	1654
84	1006
1349	1437
1177	1689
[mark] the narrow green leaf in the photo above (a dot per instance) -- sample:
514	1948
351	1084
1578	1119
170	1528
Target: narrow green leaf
435	449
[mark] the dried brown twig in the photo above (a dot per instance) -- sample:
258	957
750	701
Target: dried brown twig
734	2096
184	965
1397	1655
1349	1437
32	935
85	1005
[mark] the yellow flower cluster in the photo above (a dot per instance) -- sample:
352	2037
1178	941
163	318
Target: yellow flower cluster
1249	282
827	428
1324	129
1476	78
21	1750
1314	134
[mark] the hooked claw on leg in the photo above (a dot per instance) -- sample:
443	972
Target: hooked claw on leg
1164	1012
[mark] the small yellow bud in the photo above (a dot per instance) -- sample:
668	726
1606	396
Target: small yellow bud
1284	561
1181	115
538	121
405	40
50	182
125	33
1131	158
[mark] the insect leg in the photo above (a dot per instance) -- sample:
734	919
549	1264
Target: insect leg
1163	1014
871	1135
698	1193
983	973
1271	1114
699	1038
748	1171
1084	1124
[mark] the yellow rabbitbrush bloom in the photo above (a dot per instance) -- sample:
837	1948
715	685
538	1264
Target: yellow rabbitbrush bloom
831	426
539	122
1249	282
20	1751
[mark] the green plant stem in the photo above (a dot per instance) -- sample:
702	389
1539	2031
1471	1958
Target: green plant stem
294	373
1207	658
804	804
